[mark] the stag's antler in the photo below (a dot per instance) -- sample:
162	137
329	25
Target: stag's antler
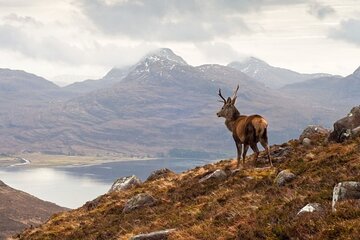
221	96
235	92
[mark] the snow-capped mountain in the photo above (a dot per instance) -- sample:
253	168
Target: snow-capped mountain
272	77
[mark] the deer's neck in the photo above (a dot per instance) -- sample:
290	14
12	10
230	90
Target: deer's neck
231	122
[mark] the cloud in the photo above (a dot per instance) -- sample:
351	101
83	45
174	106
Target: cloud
349	30
320	11
173	20
16	19
54	49
219	52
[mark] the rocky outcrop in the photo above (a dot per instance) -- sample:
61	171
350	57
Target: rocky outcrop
90	205
139	201
159	235
347	127
310	207
283	177
345	190
158	174
217	174
314	132
125	183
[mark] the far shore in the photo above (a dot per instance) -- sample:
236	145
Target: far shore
49	160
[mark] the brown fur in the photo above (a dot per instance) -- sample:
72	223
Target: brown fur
247	130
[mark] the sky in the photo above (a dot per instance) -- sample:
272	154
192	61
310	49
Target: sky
72	40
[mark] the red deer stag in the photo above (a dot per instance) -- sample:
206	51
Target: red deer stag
246	130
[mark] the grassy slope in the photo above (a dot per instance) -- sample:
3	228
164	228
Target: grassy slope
247	205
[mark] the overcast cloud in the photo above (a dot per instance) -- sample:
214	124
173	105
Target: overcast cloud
88	37
320	11
349	30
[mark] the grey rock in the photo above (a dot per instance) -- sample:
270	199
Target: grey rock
159	235
283	177
306	142
139	201
125	183
312	131
217	174
281	152
343	128
310	207
161	173
235	171
355	132
345	190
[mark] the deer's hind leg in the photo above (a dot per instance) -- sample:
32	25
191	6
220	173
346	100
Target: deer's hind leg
256	151
239	150
246	147
265	145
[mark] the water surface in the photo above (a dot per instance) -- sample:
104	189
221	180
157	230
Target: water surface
72	186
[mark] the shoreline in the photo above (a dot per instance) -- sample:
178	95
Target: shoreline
42	160
37	160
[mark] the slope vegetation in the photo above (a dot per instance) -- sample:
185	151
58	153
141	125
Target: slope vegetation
19	210
245	205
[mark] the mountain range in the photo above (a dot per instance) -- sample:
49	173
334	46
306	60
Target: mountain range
158	105
272	77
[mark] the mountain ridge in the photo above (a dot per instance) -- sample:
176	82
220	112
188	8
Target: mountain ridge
273	77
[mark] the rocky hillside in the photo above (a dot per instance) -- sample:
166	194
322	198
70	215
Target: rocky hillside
294	200
19	210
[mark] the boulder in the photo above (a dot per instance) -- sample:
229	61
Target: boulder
217	174
306	142
355	132
160	173
347	127
345	190
139	201
125	183
159	235
283	177
281	152
314	132
310	207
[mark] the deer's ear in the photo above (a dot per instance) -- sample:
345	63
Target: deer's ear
228	100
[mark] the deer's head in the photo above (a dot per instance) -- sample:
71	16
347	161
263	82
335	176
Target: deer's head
228	110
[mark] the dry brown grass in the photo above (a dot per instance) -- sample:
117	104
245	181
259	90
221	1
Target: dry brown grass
247	205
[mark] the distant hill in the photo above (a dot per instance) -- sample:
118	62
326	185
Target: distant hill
272	77
19	210
336	92
20	86
115	75
162	104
